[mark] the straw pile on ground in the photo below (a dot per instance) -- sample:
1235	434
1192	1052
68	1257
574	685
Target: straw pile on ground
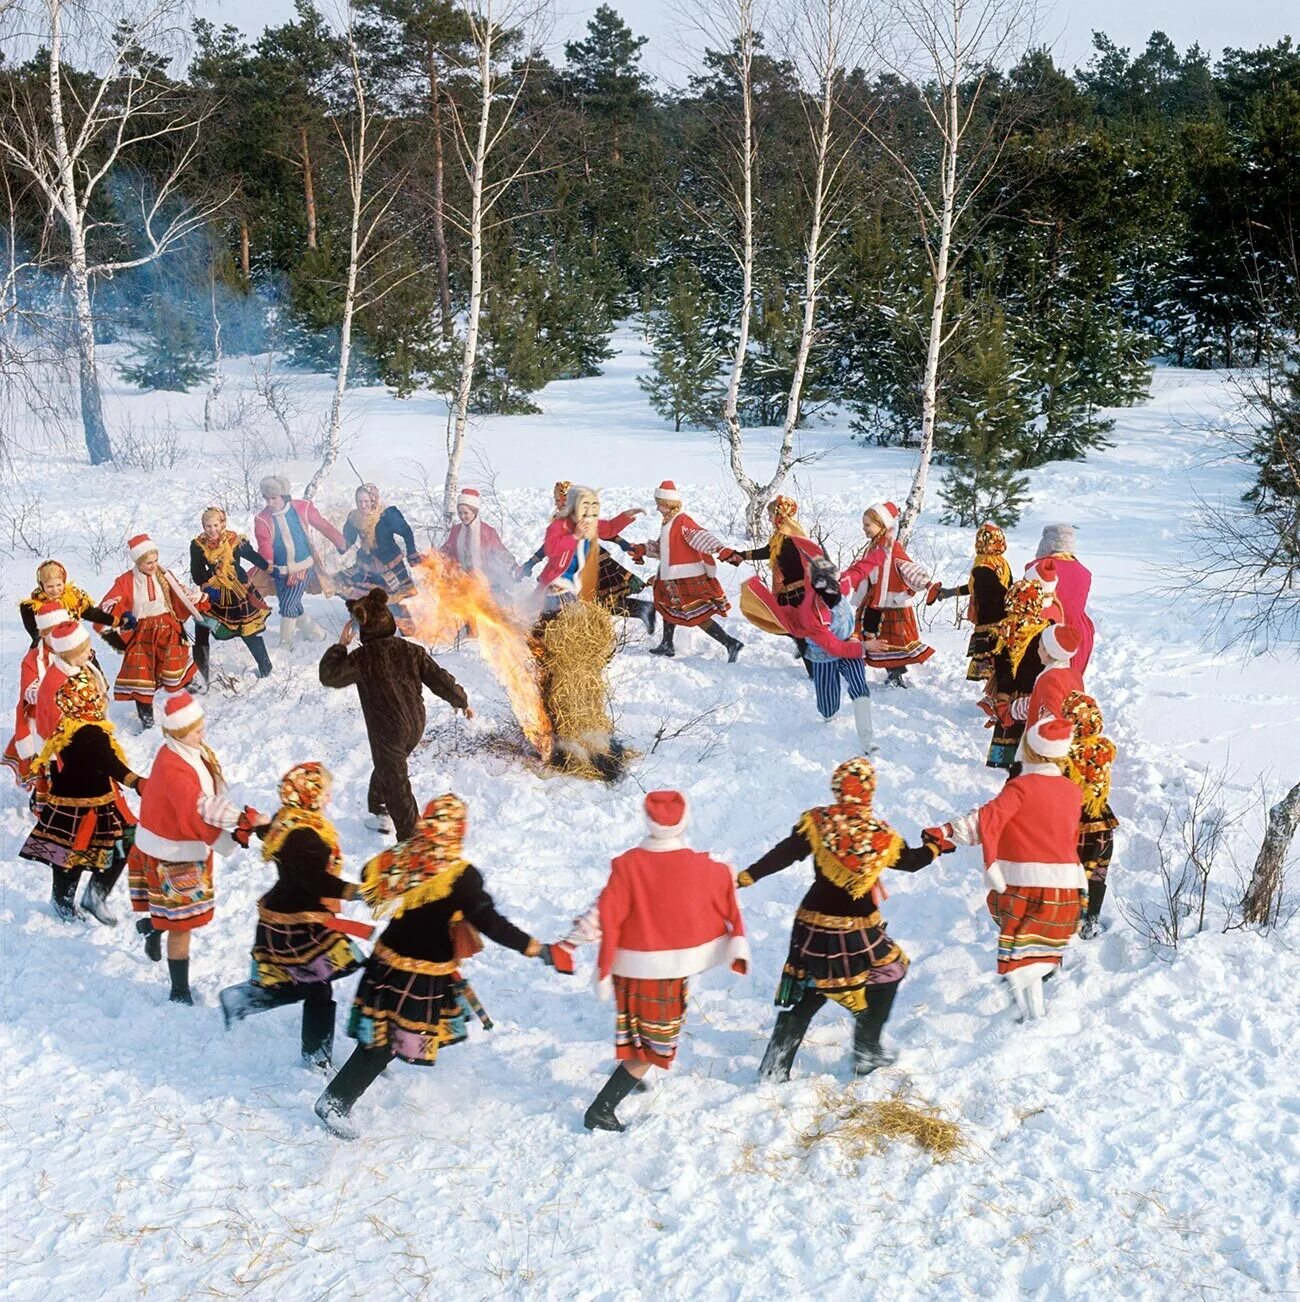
863	1127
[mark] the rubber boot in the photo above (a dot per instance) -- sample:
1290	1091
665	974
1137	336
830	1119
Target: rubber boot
145	713
318	1031
63	893
261	656
356	1076
787	1035
288	631
152	939
720	634
203	663
665	647
645	612
862	723
1091	925
179	971
868	1054
601	1115
245	999
94	899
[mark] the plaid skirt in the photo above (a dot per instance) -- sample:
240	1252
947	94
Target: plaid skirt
409	1006
368	572
614	584
78	834
840	957
156	656
902	637
178	896
1097	844
980	650
238	614
300	949
649	1014
1035	923
691	601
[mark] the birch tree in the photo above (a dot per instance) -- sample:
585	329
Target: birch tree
949	53
482	127
74	132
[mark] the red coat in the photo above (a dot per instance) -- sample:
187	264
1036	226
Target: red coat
1030	830
120	598
560	543
492	552
1051	687
1073	583
48	715
668	912
35	665
684	549
183	813
886	577
264	530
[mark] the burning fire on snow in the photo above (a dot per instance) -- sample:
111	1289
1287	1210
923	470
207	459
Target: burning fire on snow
447	599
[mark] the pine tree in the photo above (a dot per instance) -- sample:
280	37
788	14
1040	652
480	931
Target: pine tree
173	356
686	386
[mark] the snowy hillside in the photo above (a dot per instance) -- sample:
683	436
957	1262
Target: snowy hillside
1141	1141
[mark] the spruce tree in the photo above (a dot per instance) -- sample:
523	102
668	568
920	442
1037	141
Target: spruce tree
685	387
174	354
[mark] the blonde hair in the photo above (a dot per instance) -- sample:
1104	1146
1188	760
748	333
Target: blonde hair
1033	757
179	733
50	565
211	511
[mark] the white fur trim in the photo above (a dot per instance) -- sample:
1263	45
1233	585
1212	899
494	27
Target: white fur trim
71	641
665	839
1047	749
662	964
691	570
470	498
1061	876
668	495
1050	643
179	720
143	548
56	617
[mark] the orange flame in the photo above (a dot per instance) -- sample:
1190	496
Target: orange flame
447	599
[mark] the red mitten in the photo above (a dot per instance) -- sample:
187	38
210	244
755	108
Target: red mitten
559	956
637	552
740	965
249	821
940	838
729	555
932	593
1004	715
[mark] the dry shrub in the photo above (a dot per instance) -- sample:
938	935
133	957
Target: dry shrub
865	1127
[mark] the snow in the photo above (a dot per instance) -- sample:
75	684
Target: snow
1143	1140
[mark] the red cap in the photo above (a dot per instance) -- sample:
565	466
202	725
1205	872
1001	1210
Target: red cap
666	812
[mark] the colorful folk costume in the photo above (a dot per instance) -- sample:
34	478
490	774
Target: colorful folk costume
217	559
385	554
476	546
1016	666
185	815
151	609
1057	679
83	824
281	532
884	584
1029	834
839	947
835	652
666	914
986	590
686	589
52	585
25	744
788	552
1091	758
390	674
1073	583
301	944
70	652
577	564
412	1000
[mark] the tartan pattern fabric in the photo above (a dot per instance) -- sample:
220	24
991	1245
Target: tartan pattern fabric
614	583
649	1014
1097	845
413	1014
238	614
298	949
76	834
1035	923
178	896
156	656
691	601
826	677
839	957
900	631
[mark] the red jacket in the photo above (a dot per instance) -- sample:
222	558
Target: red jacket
120	598
668	912
183	812
491	550
264	530
885	578
685	550
48	715
1073	583
31	672
561	542
1051	687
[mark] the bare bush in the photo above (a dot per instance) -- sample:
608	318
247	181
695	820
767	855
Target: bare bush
283	397
23	519
154	445
102	538
245	458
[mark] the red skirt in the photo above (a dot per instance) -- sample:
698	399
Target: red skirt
1035	923
692	601
648	1017
156	656
902	638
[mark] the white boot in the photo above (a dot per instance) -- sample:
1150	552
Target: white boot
288	631
380	823
310	629
1027	986
862	722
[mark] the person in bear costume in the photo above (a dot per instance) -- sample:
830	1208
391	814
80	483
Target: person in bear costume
389	674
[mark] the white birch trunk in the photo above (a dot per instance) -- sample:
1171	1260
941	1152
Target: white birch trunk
1264	893
218	361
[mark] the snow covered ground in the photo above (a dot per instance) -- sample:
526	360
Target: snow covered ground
1142	1141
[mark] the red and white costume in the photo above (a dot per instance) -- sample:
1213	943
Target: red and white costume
1054	683
26	742
686	587
884	584
63	639
477	545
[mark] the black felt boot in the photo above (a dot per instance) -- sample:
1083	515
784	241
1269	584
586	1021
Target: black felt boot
202	662
1091	925
145	713
868	1054
720	634
665	647
601	1114
645	612
63	894
787	1035
261	656
318	1012
152	939
247	998
179	971
94	899
356	1076
897	677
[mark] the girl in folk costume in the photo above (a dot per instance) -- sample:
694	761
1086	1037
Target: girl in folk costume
986	588
70	652
84	823
217	558
281	534
839	948
184	815
835	652
151	609
382	538
412	1000
884	583
25	744
1016	666
301	944
686	589
1057	647
475	545
1029	833
576	562
1091	758
52	585
666	914
1073	584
